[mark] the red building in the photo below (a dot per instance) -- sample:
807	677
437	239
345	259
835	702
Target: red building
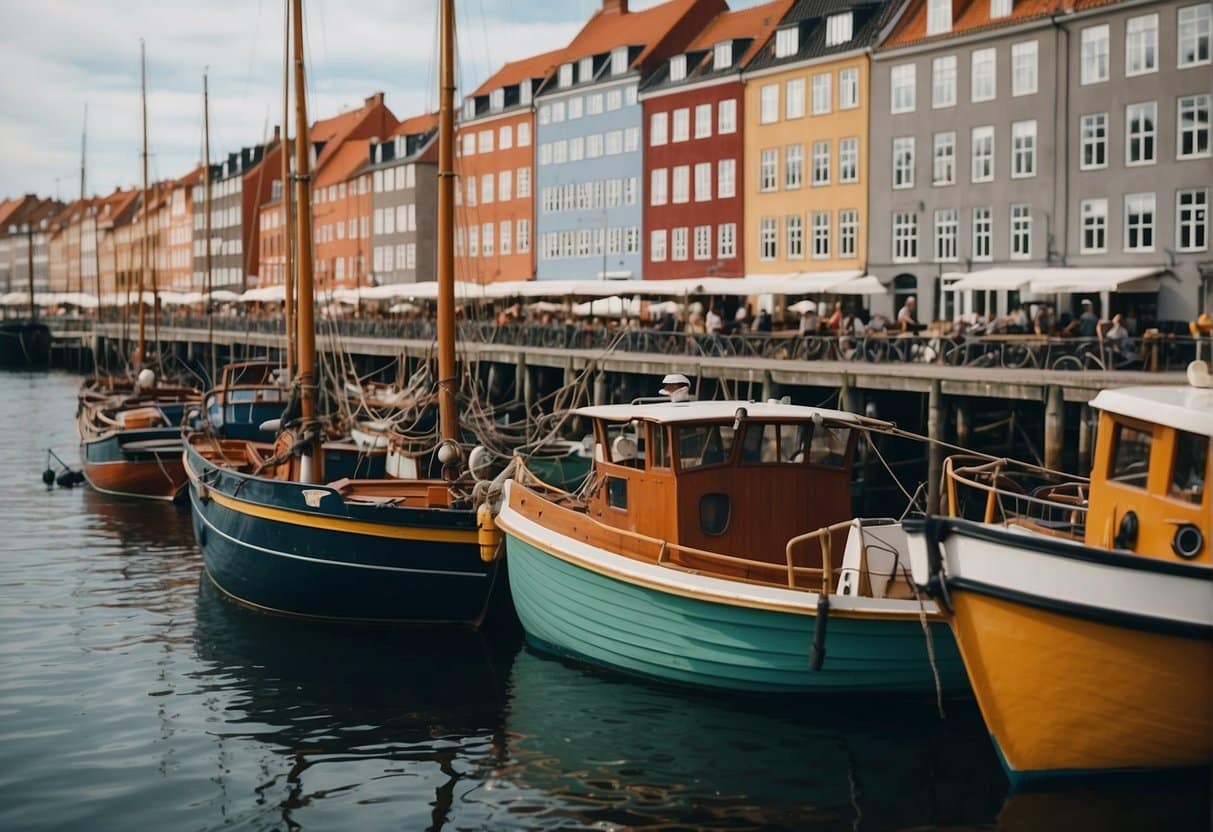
693	154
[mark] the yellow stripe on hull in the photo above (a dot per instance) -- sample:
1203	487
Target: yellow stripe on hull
1061	693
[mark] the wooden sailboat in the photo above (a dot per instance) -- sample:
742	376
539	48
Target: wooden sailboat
279	532
1084	609
712	547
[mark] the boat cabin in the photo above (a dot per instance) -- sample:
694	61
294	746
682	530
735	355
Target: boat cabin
1150	478
738	478
247	395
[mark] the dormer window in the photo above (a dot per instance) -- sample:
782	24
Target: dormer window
1000	8
838	28
469	107
787	42
678	68
524	92
585	70
619	60
722	55
400	147
497	99
566	75
939	16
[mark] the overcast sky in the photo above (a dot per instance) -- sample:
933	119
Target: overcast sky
56	56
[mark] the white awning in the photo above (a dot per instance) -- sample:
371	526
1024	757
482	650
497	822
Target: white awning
866	285
1056	279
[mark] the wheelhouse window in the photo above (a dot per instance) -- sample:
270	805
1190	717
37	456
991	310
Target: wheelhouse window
1190	467
659	448
829	446
1130	456
702	445
714	512
773	443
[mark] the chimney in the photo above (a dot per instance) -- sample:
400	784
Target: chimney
615	6
373	99
277	133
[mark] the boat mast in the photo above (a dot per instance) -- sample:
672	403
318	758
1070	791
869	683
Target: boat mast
143	248
447	411
84	212
206	210
311	461
288	265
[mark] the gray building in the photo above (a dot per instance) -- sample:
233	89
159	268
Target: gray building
404	186
235	185
978	157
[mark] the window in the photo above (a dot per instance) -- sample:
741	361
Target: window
657	129
486	239
903	162
726	116
1139	222
983	230
631	139
565	79
679	246
524	135
524	182
821	163
1194	29
469	143
703	121
838	28
848	88
1192	219
793	98
766	239
821	93
473	241
507	236
703	182
722	55
984	75
726	178
505	137
703	242
848	231
614	142
1193	128
486	188
680	186
939	16
848	160
982	140
1141	44
901	81
619	60
630	188
905	237
593	104
946	226
943	170
524	236
678	68
1130	455
793	166
657	242
787	41
593	146
726	240
614	100
1140	133
576	107
1023	68
766	170
1023	149
769	104
1095	54
576	149
943	81
794	227
1094	218
560	150
681	131
1189	466
505	182
658	179
1021	232
1000	8
821	235
1094	141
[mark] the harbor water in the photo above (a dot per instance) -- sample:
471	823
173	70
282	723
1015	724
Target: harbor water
134	695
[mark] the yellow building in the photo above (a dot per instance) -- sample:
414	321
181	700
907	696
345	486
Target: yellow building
806	142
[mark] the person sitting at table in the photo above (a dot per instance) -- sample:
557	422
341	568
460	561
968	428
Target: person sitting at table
906	317
1042	324
877	323
1088	321
1117	336
1017	321
810	322
763	322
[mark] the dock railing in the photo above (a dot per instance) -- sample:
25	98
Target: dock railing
1006	492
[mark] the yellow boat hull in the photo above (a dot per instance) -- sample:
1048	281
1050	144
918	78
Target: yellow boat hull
1062	694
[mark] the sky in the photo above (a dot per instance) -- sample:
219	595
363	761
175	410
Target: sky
59	56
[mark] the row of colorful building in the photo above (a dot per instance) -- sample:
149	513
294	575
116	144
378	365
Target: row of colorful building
913	140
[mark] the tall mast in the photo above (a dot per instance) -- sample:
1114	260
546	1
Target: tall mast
206	221
288	265
84	212
447	411
310	469
143	248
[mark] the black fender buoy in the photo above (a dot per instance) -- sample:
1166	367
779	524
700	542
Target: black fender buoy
817	655
48	477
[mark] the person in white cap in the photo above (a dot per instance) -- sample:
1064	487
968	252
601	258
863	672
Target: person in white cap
676	387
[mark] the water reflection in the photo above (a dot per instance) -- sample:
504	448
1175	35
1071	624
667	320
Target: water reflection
1174	801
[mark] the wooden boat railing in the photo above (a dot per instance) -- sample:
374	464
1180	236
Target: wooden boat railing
1057	508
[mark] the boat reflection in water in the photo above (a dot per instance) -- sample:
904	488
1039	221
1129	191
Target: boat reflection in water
1174	801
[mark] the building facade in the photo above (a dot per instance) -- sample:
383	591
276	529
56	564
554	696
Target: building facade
25	238
695	149
404	191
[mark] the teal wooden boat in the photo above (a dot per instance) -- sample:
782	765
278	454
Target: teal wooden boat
716	549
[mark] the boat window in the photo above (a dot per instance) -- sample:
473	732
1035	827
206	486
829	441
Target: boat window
617	492
238	396
829	448
714	510
1191	464
626	445
659	452
772	442
703	445
1130	455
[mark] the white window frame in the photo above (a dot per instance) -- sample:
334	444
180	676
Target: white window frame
839	28
1093	218
903	173
1149	112
1025	68
658	129
793	167
703	121
1197	30
703	181
823	83
983	75
657	245
1200	128
793	242
939	17
1021	229
793	98
702	242
976	135
726	116
1096	54
726	240
943	159
726	178
1197	223
1144	198
983	233
1023	149
947	232
680	125
787	41
905	237
821	163
848	233
1093	133
768	104
768	239
819	229
1141	45
848	160
903	79
848	88
943	82
768	170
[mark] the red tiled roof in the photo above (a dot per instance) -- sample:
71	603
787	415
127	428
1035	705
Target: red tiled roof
423	123
352	155
536	66
756	22
608	29
969	16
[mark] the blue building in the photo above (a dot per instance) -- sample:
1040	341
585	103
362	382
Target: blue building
589	138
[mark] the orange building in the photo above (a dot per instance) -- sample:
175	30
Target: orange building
177	233
494	155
